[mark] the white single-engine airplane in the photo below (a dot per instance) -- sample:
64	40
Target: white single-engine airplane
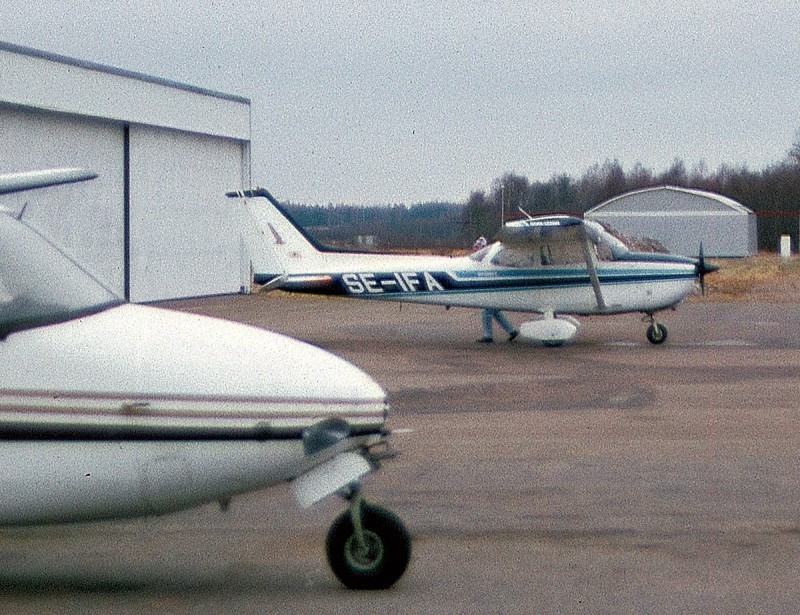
555	266
113	410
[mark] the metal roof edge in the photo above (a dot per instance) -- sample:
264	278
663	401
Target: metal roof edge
120	72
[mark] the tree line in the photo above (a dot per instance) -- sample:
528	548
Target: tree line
433	225
773	193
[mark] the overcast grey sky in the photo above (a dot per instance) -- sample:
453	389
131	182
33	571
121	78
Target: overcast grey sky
404	102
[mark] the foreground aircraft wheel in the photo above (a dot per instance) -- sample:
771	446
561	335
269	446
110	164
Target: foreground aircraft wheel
657	333
383	557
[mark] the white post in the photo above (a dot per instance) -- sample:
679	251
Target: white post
786	246
502	206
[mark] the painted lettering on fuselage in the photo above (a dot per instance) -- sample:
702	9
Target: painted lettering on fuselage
394	282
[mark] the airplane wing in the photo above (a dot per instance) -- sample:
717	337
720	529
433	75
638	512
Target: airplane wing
39	283
19	182
556	240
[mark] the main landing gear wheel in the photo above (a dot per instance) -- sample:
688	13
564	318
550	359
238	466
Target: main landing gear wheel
656	333
374	557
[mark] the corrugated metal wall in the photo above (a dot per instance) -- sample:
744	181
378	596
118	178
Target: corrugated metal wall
184	231
721	236
155	224
681	221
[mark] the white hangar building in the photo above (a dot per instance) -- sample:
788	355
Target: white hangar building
155	224
682	218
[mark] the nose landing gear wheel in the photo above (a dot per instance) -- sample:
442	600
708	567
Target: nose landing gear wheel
376	559
656	333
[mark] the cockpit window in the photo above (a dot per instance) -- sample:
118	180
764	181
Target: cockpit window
541	254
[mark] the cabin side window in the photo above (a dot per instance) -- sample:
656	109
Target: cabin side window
540	254
518	259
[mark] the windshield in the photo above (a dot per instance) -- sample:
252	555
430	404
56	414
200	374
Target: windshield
608	246
39	284
481	254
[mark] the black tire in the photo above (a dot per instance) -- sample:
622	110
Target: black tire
388	549
657	333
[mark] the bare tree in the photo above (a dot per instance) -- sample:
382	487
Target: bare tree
794	152
481	216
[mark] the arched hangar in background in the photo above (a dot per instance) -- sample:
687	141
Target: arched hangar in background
155	224
682	218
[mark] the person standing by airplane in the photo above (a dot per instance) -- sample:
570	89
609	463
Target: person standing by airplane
489	314
480	244
488	335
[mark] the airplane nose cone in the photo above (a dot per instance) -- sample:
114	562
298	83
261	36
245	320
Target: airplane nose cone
701	266
704	267
160	354
252	362
136	367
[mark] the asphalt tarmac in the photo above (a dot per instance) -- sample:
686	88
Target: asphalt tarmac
605	476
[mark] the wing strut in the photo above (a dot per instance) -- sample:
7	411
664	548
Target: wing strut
591	266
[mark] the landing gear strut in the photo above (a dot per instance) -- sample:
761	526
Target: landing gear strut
368	547
656	332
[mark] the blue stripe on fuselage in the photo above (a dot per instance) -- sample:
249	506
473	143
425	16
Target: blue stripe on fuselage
382	284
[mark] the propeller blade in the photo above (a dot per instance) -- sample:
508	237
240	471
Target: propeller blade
703	269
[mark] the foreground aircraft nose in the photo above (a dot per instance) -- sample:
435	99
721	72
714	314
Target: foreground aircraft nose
188	371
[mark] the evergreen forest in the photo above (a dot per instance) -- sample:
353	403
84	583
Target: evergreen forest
773	193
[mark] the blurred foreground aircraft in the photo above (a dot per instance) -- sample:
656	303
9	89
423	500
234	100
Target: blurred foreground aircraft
554	266
112	410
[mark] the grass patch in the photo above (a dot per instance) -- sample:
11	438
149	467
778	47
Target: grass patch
763	277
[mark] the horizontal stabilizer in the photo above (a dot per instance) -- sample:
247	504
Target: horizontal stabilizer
251	194
274	283
18	182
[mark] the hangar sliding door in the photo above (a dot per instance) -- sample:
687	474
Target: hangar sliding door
91	230
184	238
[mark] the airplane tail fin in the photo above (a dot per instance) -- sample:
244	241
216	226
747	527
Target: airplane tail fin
277	244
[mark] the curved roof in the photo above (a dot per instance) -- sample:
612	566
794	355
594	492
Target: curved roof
669	199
